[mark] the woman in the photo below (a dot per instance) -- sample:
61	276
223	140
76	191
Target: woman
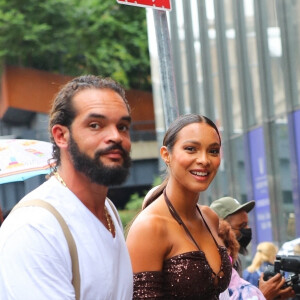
265	255
173	243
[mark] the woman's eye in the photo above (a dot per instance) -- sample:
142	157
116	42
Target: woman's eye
215	151
190	148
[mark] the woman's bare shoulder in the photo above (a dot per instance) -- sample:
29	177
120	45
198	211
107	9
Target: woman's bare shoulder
149	222
148	241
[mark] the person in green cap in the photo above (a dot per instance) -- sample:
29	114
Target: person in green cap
236	214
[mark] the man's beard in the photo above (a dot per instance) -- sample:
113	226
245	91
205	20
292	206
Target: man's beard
95	170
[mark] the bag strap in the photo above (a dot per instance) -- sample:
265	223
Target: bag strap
68	236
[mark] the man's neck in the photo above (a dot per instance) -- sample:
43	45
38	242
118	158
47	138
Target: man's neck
92	195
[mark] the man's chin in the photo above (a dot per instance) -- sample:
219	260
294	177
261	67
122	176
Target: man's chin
111	163
114	166
110	177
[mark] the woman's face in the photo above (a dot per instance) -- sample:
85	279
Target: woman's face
195	157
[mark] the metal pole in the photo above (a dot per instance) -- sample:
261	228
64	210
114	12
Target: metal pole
168	87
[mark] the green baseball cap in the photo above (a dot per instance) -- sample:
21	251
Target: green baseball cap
227	206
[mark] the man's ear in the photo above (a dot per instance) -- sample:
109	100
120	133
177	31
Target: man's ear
61	135
165	155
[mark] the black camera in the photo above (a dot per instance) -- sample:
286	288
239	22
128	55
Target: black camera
282	264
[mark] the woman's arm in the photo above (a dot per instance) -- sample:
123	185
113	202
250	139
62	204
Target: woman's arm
147	243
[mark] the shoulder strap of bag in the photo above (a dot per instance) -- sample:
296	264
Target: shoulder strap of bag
68	236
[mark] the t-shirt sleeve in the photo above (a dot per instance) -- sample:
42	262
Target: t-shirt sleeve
35	262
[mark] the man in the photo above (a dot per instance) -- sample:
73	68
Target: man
236	214
288	247
89	129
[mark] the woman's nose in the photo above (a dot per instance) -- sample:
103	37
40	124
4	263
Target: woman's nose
203	159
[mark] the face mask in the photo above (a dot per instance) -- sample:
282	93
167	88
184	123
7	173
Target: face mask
245	238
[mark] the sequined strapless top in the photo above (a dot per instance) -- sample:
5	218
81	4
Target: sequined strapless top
186	276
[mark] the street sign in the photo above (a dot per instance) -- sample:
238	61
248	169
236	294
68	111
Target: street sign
157	4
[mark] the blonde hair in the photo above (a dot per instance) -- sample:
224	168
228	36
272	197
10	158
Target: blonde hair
265	252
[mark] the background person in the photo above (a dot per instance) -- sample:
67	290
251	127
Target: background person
236	214
89	129
238	287
297	249
173	243
287	248
265	255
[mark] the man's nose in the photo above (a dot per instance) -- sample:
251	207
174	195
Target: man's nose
114	135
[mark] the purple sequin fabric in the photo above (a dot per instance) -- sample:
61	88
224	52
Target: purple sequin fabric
184	276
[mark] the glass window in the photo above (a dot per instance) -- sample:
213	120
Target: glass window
295	12
198	53
233	67
253	58
214	60
283	179
184	70
219	186
240	167
275	54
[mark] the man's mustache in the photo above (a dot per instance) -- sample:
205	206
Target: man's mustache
124	153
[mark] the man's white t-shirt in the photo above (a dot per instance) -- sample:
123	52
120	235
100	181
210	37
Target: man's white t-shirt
35	262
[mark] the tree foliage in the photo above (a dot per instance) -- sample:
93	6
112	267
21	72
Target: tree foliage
76	37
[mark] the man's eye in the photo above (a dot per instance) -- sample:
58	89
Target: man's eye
124	128
95	125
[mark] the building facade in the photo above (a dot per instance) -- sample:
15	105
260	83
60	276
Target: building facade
238	63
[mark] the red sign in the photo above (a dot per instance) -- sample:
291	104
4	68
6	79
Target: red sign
157	4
